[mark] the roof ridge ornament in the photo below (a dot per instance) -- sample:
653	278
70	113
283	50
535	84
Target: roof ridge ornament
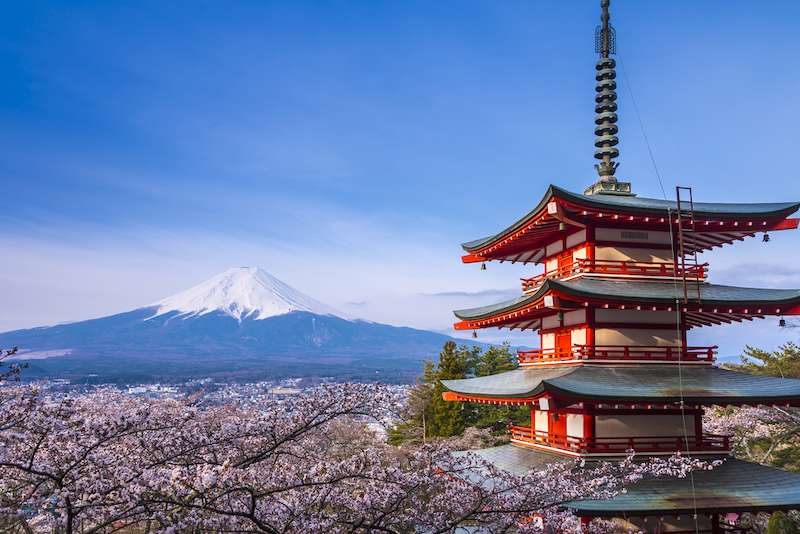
605	108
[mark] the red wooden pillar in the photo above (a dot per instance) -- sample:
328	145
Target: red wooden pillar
585	523
590	328
588	426
715	526
698	425
682	327
563	342
558	426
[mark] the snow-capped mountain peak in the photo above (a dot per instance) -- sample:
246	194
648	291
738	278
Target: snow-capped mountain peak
242	292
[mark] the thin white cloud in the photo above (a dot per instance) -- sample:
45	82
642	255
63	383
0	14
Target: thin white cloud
66	272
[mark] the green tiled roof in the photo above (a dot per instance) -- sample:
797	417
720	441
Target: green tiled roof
517	460
642	383
734	486
638	291
627	204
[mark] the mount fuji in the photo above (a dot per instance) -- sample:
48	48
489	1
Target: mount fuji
242	324
241	293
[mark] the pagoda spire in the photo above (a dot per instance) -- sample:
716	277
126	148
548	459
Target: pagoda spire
605	108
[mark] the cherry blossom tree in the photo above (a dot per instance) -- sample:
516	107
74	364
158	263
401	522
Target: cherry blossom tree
104	461
10	370
758	431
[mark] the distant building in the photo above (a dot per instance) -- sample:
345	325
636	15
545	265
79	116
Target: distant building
284	391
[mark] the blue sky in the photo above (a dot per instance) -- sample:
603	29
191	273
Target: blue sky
348	147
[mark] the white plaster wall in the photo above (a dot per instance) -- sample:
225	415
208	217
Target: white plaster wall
576	238
575	425
551	321
614	426
632	254
551	265
634	236
548	341
578	336
540	420
554	248
579	254
635	337
574	317
603	315
664	524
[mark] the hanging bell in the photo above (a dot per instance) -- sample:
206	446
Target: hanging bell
765	238
782	322
474	334
562	226
483	266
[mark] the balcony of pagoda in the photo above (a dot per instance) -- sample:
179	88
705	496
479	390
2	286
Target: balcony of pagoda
637	270
617	354
619	446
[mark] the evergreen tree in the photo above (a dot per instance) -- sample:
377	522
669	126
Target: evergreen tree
497	417
449	418
417	410
495	360
428	415
784	362
779	523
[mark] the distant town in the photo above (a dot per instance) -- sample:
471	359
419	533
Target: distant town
213	392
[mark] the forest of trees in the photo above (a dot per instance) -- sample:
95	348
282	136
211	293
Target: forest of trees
427	415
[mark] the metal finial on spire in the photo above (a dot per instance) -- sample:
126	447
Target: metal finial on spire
604	35
605	108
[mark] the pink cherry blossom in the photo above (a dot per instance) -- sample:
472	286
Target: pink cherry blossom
98	462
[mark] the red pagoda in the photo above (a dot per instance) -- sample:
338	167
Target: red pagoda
620	288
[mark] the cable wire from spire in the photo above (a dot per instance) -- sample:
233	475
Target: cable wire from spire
678	312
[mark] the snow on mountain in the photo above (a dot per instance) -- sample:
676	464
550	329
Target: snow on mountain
242	292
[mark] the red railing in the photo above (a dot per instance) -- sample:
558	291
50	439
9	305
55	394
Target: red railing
618	267
619	352
562	271
598	445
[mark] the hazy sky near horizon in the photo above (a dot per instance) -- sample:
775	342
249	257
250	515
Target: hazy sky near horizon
348	147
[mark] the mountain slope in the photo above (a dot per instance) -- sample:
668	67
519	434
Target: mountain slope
242	324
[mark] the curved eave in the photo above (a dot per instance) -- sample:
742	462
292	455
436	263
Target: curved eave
511	242
717	302
478	244
735	486
517	384
641	384
666	292
519	303
654	206
525	307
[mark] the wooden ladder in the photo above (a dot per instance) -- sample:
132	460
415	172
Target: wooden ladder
685	223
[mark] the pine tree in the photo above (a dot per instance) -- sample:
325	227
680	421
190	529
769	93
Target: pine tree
428	415
417	410
779	523
784	362
449	418
496	418
495	360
